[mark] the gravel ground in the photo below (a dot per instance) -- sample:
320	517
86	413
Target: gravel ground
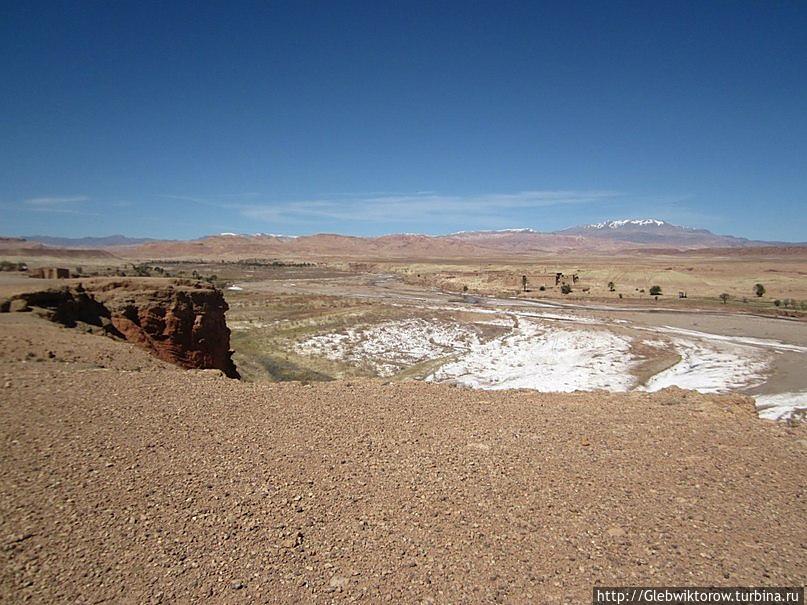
123	479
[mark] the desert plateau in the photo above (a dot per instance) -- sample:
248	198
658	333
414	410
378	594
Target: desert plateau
417	430
428	303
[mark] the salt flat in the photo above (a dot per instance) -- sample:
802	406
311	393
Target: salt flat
782	406
712	368
391	346
543	355
545	358
552	345
558	352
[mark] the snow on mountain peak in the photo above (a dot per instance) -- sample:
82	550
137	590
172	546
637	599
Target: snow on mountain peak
621	223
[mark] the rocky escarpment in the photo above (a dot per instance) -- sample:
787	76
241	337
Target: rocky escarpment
181	322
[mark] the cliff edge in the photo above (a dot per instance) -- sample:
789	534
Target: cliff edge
179	321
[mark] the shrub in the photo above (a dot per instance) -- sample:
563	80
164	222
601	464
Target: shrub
565	289
611	286
724	297
655	291
542	288
9	266
777	302
759	289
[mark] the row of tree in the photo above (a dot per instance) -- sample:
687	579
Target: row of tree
759	291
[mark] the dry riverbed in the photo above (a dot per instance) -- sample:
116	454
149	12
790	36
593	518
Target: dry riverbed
376	325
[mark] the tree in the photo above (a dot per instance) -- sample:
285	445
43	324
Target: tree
759	290
611	286
524	282
724	297
655	291
565	289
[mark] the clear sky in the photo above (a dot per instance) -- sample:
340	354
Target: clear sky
175	119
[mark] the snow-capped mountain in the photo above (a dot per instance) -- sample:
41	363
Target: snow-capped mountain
610	236
655	232
275	235
627	221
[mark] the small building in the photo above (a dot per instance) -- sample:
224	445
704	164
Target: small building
50	273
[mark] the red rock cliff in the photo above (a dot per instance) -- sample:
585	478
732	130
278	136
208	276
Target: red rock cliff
178	321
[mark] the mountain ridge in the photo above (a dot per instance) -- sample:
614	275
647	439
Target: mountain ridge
610	236
88	241
652	231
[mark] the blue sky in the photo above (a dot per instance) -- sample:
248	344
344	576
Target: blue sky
173	119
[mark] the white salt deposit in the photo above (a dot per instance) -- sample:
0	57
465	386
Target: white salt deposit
782	406
389	347
768	343
711	367
544	358
547	352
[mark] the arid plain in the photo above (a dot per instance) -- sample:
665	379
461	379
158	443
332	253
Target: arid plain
405	429
355	308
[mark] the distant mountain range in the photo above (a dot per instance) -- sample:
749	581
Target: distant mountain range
606	237
658	233
88	242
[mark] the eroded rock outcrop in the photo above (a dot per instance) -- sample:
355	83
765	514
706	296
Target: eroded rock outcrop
182	322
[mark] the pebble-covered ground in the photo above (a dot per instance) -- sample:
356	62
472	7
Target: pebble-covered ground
126	480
